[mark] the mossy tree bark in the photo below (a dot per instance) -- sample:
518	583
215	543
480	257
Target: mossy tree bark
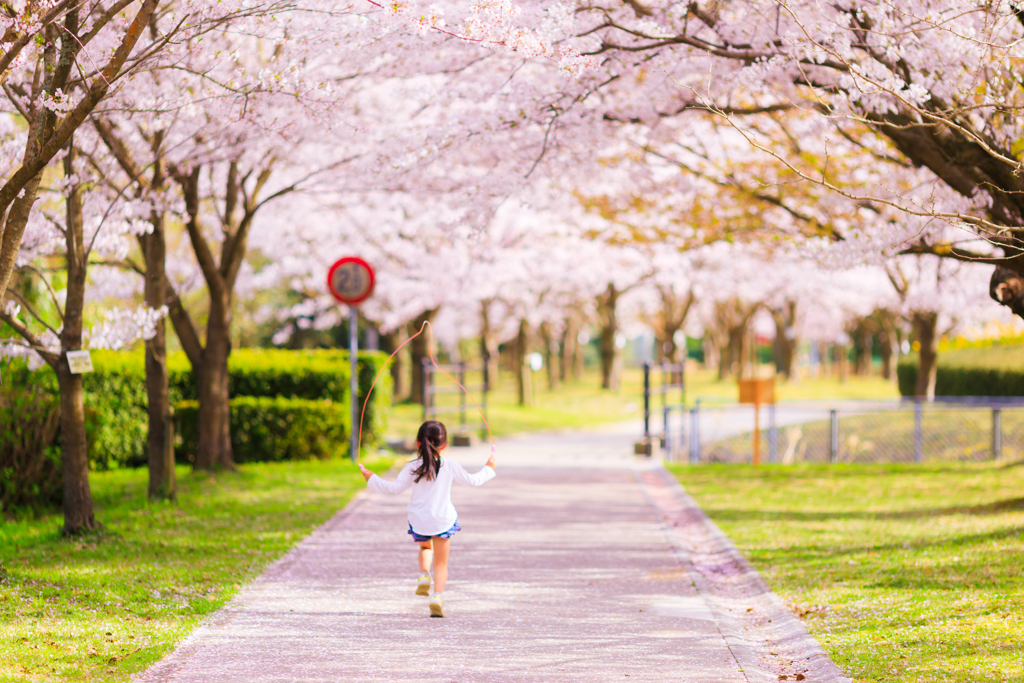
160	437
78	509
158	292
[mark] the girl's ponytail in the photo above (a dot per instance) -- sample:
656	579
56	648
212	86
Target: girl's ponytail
431	437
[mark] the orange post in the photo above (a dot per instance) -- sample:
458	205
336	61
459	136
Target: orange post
757	391
757	434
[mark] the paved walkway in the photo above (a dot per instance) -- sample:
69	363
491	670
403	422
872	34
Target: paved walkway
576	564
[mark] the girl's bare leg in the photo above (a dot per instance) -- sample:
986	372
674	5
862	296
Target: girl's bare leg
426	554
441	546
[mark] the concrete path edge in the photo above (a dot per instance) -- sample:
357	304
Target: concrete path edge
769	641
165	668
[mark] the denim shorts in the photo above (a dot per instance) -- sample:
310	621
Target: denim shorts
446	534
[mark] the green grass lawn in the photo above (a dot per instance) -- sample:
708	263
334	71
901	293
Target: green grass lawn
582	403
104	607
902	572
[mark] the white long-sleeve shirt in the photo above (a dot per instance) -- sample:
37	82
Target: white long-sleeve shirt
430	508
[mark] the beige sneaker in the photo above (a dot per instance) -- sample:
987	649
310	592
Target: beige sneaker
423	587
436	605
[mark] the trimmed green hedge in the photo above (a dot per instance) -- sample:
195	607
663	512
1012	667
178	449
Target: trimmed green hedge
116	420
30	466
316	374
272	429
270	372
115	405
956	380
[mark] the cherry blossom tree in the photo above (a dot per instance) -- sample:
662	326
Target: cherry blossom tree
932	80
52	81
55	79
927	87
248	130
74	226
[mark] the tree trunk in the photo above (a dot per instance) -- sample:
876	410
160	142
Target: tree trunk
667	351
549	355
888	366
579	360
523	385
862	347
420	349
724	361
392	340
843	360
720	353
670	350
606	306
824	360
890	347
869	351
608	354
78	511
159	441
213	450
785	345
488	345
567	349
733	360
675	310
925	325
712	352
660	347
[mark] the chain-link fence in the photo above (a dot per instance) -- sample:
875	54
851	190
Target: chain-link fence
849	432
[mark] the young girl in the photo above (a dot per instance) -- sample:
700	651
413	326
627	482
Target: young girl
432	517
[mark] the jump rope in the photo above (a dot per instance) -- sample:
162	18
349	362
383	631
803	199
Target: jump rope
433	360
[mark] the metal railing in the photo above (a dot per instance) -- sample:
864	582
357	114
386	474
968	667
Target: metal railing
852	432
672	378
434	404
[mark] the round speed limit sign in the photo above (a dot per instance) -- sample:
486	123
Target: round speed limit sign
350	280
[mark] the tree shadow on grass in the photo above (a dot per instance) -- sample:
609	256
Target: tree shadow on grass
809	551
734	515
949	573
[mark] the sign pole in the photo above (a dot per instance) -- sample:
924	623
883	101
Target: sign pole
353	353
350	280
